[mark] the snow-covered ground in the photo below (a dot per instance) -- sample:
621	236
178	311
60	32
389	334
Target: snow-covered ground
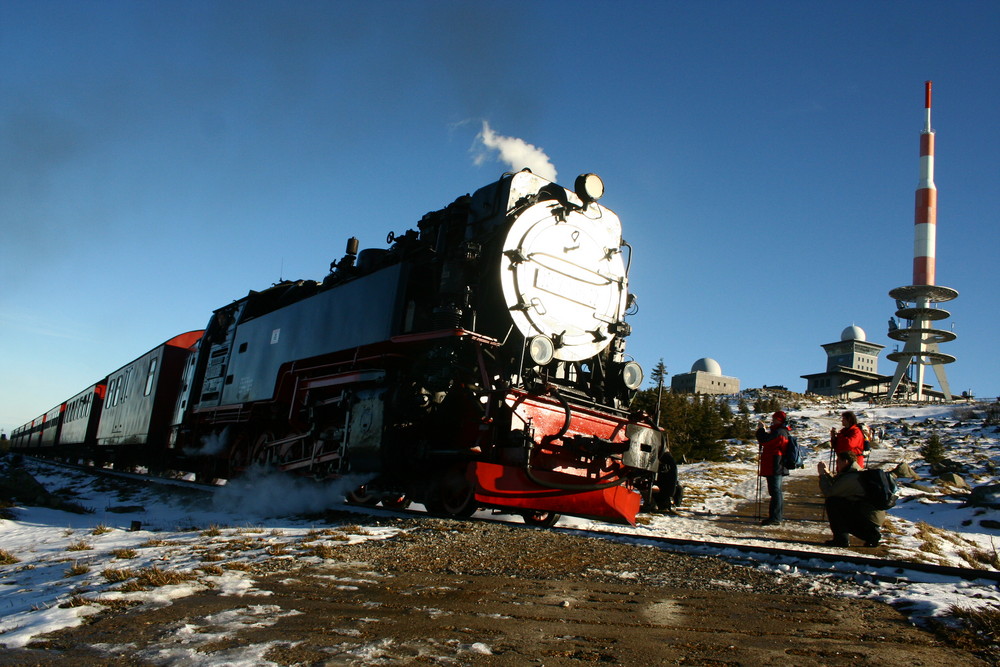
61	562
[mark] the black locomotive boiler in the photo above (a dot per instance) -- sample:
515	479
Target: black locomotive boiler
477	361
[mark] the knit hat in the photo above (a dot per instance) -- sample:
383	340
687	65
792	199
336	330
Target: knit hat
779	416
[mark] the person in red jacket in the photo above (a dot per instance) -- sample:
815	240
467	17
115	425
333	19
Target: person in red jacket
773	441
849	439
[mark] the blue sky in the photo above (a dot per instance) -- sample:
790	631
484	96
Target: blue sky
160	159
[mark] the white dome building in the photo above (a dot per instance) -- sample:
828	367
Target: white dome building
851	368
853	332
707	365
705	378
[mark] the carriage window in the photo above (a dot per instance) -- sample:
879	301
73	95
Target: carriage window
111	393
149	378
125	379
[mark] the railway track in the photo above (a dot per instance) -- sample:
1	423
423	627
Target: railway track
842	564
885	569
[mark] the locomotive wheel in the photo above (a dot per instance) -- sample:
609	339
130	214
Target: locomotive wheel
453	495
362	496
399	502
541	519
260	454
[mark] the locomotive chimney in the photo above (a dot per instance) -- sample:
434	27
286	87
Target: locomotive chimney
352	246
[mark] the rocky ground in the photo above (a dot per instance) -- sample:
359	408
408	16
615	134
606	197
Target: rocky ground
447	592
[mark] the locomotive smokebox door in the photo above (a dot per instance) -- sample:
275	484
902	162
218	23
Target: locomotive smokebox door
563	276
644	445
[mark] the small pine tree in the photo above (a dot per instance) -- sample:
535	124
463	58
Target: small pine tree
933	449
725	411
658	374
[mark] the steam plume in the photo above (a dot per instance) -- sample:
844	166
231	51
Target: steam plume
516	152
267	493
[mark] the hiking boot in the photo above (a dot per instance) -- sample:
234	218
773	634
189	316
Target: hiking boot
770	522
838	542
872	543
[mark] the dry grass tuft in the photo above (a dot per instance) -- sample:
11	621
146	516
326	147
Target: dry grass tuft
212	569
154	542
75	601
79	546
315	534
981	559
7	558
132	586
211	531
100	529
931	538
978	632
77	570
118	604
116	575
242	544
155	577
322	551
243	567
124	553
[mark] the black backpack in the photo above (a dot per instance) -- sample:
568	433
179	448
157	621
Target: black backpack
793	456
880	487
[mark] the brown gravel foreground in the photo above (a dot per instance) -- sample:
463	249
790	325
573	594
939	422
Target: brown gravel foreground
478	593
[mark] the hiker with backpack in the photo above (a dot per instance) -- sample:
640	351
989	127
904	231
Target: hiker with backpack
773	441
849	438
848	508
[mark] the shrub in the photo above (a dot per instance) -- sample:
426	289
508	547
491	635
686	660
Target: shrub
932	451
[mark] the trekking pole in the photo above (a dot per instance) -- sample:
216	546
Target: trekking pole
756	514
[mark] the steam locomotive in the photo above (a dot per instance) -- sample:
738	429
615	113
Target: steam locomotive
476	362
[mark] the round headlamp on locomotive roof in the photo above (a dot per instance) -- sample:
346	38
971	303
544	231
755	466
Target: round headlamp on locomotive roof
632	375
589	187
541	350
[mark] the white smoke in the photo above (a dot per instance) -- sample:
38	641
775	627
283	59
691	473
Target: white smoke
211	444
516	152
268	493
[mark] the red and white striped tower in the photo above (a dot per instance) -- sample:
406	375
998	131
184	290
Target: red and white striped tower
925	211
921	339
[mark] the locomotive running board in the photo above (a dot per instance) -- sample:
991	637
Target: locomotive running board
509	486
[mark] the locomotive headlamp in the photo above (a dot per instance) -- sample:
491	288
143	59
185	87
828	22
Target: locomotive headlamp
589	187
632	375
541	350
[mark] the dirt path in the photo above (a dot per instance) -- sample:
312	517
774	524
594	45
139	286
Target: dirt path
489	594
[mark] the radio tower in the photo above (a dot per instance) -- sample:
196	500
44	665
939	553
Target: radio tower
921	348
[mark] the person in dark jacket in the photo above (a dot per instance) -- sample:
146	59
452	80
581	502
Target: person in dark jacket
773	441
846	508
668	493
849	438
